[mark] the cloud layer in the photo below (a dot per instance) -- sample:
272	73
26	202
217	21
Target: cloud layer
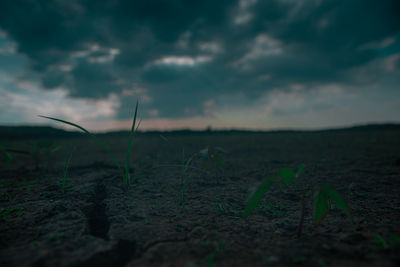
186	59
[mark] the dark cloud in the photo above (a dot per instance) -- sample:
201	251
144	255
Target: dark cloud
94	48
53	79
92	80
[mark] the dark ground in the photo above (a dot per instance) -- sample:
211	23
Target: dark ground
99	221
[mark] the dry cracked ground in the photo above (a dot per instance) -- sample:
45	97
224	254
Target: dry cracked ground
181	211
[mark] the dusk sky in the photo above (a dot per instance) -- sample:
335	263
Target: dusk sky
253	64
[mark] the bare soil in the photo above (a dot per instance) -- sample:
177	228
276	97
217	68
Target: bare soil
97	220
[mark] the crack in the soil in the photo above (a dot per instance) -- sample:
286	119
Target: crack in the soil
98	225
97	220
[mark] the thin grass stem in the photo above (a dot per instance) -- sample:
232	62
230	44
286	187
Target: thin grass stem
127	177
66	166
105	147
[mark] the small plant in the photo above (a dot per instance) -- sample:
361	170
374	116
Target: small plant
66	166
5	156
42	151
125	173
324	195
379	243
184	177
212	156
206	155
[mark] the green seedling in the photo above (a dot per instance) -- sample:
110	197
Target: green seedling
186	164
5	156
209	156
393	242
258	195
324	196
66	166
379	242
212	156
41	152
125	173
183	180
395	239
184	177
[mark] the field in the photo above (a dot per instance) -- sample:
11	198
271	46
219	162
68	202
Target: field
63	201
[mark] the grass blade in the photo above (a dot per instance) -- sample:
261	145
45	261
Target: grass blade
7	157
395	240
287	175
66	166
94	137
321	206
218	162
128	152
67	122
300	170
183	183
338	199
380	242
258	195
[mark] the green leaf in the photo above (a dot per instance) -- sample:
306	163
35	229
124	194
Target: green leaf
300	170
394	239
334	196
69	123
287	175
66	166
258	195
218	162
381	243
7	157
321	206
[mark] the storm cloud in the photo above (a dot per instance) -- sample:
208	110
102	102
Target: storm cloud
182	58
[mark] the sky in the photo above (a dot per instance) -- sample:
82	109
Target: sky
247	64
